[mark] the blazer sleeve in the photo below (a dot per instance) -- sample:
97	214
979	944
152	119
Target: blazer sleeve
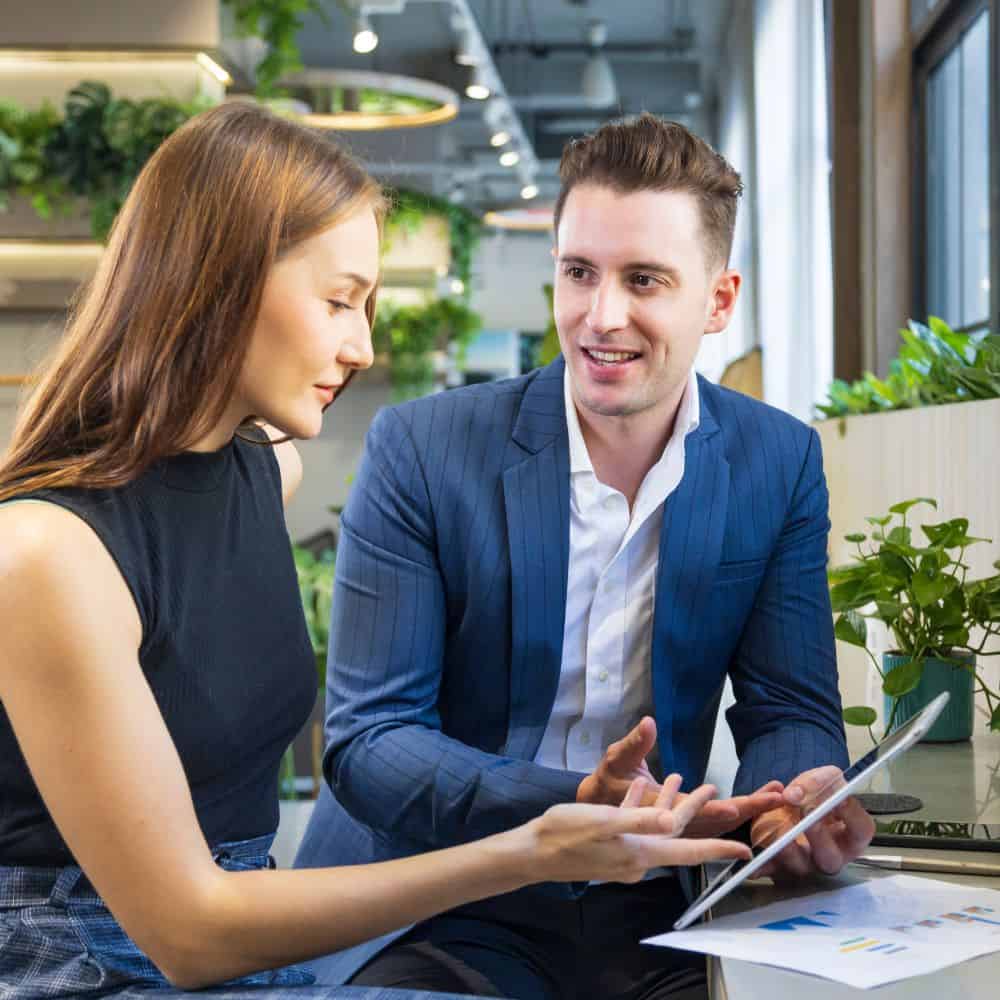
387	760
787	716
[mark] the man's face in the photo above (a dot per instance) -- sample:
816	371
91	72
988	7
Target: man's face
635	290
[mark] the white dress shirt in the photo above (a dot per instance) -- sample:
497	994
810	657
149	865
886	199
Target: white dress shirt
605	682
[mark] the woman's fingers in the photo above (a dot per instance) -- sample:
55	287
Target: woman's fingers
691	806
674	852
668	792
633	797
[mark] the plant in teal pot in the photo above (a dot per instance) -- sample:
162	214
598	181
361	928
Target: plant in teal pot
941	623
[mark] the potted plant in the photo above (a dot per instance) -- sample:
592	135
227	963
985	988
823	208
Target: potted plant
315	576
939	620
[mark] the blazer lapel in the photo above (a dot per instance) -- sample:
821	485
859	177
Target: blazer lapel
691	536
536	497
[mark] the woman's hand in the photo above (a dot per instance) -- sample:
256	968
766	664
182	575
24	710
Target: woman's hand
581	842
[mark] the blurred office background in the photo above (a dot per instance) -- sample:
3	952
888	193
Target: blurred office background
865	131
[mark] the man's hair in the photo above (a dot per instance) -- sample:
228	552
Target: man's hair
650	154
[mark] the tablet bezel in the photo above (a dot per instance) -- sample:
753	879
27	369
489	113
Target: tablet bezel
728	878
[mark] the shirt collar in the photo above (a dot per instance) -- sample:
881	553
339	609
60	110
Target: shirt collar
688	418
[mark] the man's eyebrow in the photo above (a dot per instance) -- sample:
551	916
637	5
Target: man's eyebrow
636	265
652	265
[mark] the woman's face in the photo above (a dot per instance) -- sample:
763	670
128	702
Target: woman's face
312	330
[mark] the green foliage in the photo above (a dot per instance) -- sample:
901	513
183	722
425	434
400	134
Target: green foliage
465	228
95	150
276	22
935	365
550	342
919	589
315	575
410	333
23	136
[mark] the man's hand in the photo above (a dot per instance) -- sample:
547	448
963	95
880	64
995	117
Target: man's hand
621	764
833	842
625	761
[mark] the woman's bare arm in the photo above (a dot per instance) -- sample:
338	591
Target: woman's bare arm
103	760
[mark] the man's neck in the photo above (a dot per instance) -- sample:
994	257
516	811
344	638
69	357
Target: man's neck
622	450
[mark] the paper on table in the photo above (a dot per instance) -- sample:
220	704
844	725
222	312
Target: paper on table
865	935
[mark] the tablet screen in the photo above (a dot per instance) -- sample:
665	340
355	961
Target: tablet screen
817	806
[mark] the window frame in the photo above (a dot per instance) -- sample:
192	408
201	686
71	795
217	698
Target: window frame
931	40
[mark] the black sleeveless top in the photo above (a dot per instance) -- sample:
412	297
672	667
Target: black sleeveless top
200	540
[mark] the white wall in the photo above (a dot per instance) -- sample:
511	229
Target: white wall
736	144
510	270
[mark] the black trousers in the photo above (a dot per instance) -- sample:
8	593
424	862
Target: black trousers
531	946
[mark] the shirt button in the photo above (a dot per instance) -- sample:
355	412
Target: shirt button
609	501
603	675
585	739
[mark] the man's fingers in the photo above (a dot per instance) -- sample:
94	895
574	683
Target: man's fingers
859	828
825	851
808	785
631	751
793	862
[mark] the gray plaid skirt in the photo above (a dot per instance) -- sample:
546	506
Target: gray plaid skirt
58	939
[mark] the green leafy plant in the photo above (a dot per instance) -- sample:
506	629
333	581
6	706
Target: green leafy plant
23	137
409	334
921	592
276	22
465	228
315	576
95	150
935	365
550	342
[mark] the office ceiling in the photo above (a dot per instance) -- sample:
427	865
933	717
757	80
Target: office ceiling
664	56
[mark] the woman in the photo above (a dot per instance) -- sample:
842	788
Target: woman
154	661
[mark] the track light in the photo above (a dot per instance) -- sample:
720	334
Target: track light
598	80
365	39
500	138
529	191
477	89
510	159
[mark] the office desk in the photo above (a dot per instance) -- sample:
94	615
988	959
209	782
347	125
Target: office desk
958	782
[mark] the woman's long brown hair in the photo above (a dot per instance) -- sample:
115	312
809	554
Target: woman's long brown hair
155	345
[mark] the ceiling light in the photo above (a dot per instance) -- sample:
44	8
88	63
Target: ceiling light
500	138
529	191
457	286
465	54
365	39
478	88
598	80
510	159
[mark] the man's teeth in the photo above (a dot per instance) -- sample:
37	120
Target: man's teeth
611	356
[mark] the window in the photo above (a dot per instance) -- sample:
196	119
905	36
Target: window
953	73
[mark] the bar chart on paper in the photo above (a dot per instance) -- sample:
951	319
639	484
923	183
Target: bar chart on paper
864	935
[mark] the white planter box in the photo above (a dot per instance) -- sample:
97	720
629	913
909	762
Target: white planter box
950	453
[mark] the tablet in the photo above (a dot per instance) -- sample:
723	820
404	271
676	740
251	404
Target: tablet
822	802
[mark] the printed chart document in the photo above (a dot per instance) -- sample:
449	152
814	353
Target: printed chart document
865	935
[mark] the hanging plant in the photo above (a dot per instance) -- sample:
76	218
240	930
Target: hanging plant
411	334
276	22
465	228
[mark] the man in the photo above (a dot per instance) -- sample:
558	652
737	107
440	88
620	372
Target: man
543	582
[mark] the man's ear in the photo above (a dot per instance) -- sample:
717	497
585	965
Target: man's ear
725	292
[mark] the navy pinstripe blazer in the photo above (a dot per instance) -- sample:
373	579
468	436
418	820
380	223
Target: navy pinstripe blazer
449	603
